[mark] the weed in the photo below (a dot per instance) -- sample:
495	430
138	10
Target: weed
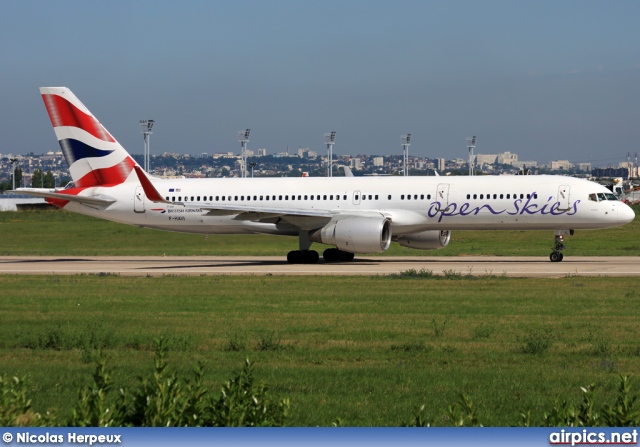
536	342
413	274
482	331
234	343
438	329
451	274
269	341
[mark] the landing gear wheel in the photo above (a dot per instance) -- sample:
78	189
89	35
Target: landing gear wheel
303	257
556	256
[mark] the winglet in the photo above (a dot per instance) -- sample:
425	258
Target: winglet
150	191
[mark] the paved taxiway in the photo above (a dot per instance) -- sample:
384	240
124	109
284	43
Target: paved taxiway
533	267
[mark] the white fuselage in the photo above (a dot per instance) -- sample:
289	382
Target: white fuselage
413	204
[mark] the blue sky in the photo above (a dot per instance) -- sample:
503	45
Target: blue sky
545	79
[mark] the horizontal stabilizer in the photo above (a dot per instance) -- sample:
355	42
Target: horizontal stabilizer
100	199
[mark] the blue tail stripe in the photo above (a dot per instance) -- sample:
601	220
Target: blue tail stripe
76	150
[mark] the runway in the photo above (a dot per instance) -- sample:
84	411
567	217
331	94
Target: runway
532	267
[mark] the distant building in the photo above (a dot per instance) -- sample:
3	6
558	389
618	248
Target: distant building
584	167
262	152
486	159
525	164
441	164
610	172
507	158
355	163
378	161
561	165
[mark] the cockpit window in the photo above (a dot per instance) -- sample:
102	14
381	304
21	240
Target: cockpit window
611	196
601	196
593	197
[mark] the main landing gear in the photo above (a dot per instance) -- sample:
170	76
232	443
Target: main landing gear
306	256
556	255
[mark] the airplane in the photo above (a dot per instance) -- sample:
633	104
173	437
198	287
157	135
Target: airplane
355	215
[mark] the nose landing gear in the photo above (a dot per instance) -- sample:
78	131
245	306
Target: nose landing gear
556	255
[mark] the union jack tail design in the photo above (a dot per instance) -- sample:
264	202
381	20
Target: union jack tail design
94	157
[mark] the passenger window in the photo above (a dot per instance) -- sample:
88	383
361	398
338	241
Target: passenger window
522	196
224	198
508	196
173	199
408	196
242	198
300	197
279	198
428	196
482	196
266	197
370	196
248	198
305	197
495	196
167	199
502	196
330	197
344	197
310	197
389	197
402	197
324	197
475	196
261	198
415	197
318	197
421	196
376	196
198	198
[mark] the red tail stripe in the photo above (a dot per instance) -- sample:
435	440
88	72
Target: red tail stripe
114	175
63	113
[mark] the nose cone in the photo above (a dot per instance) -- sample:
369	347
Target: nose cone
625	213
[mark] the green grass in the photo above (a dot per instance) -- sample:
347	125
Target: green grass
365	350
60	233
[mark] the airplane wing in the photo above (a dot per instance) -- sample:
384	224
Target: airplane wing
99	200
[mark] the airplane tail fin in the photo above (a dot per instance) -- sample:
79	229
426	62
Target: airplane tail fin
94	157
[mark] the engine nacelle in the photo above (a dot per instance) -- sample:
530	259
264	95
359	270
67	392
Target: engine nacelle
426	240
356	235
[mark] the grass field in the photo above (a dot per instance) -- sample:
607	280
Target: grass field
366	350
58	233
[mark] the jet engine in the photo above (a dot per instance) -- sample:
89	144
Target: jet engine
426	240
356	235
